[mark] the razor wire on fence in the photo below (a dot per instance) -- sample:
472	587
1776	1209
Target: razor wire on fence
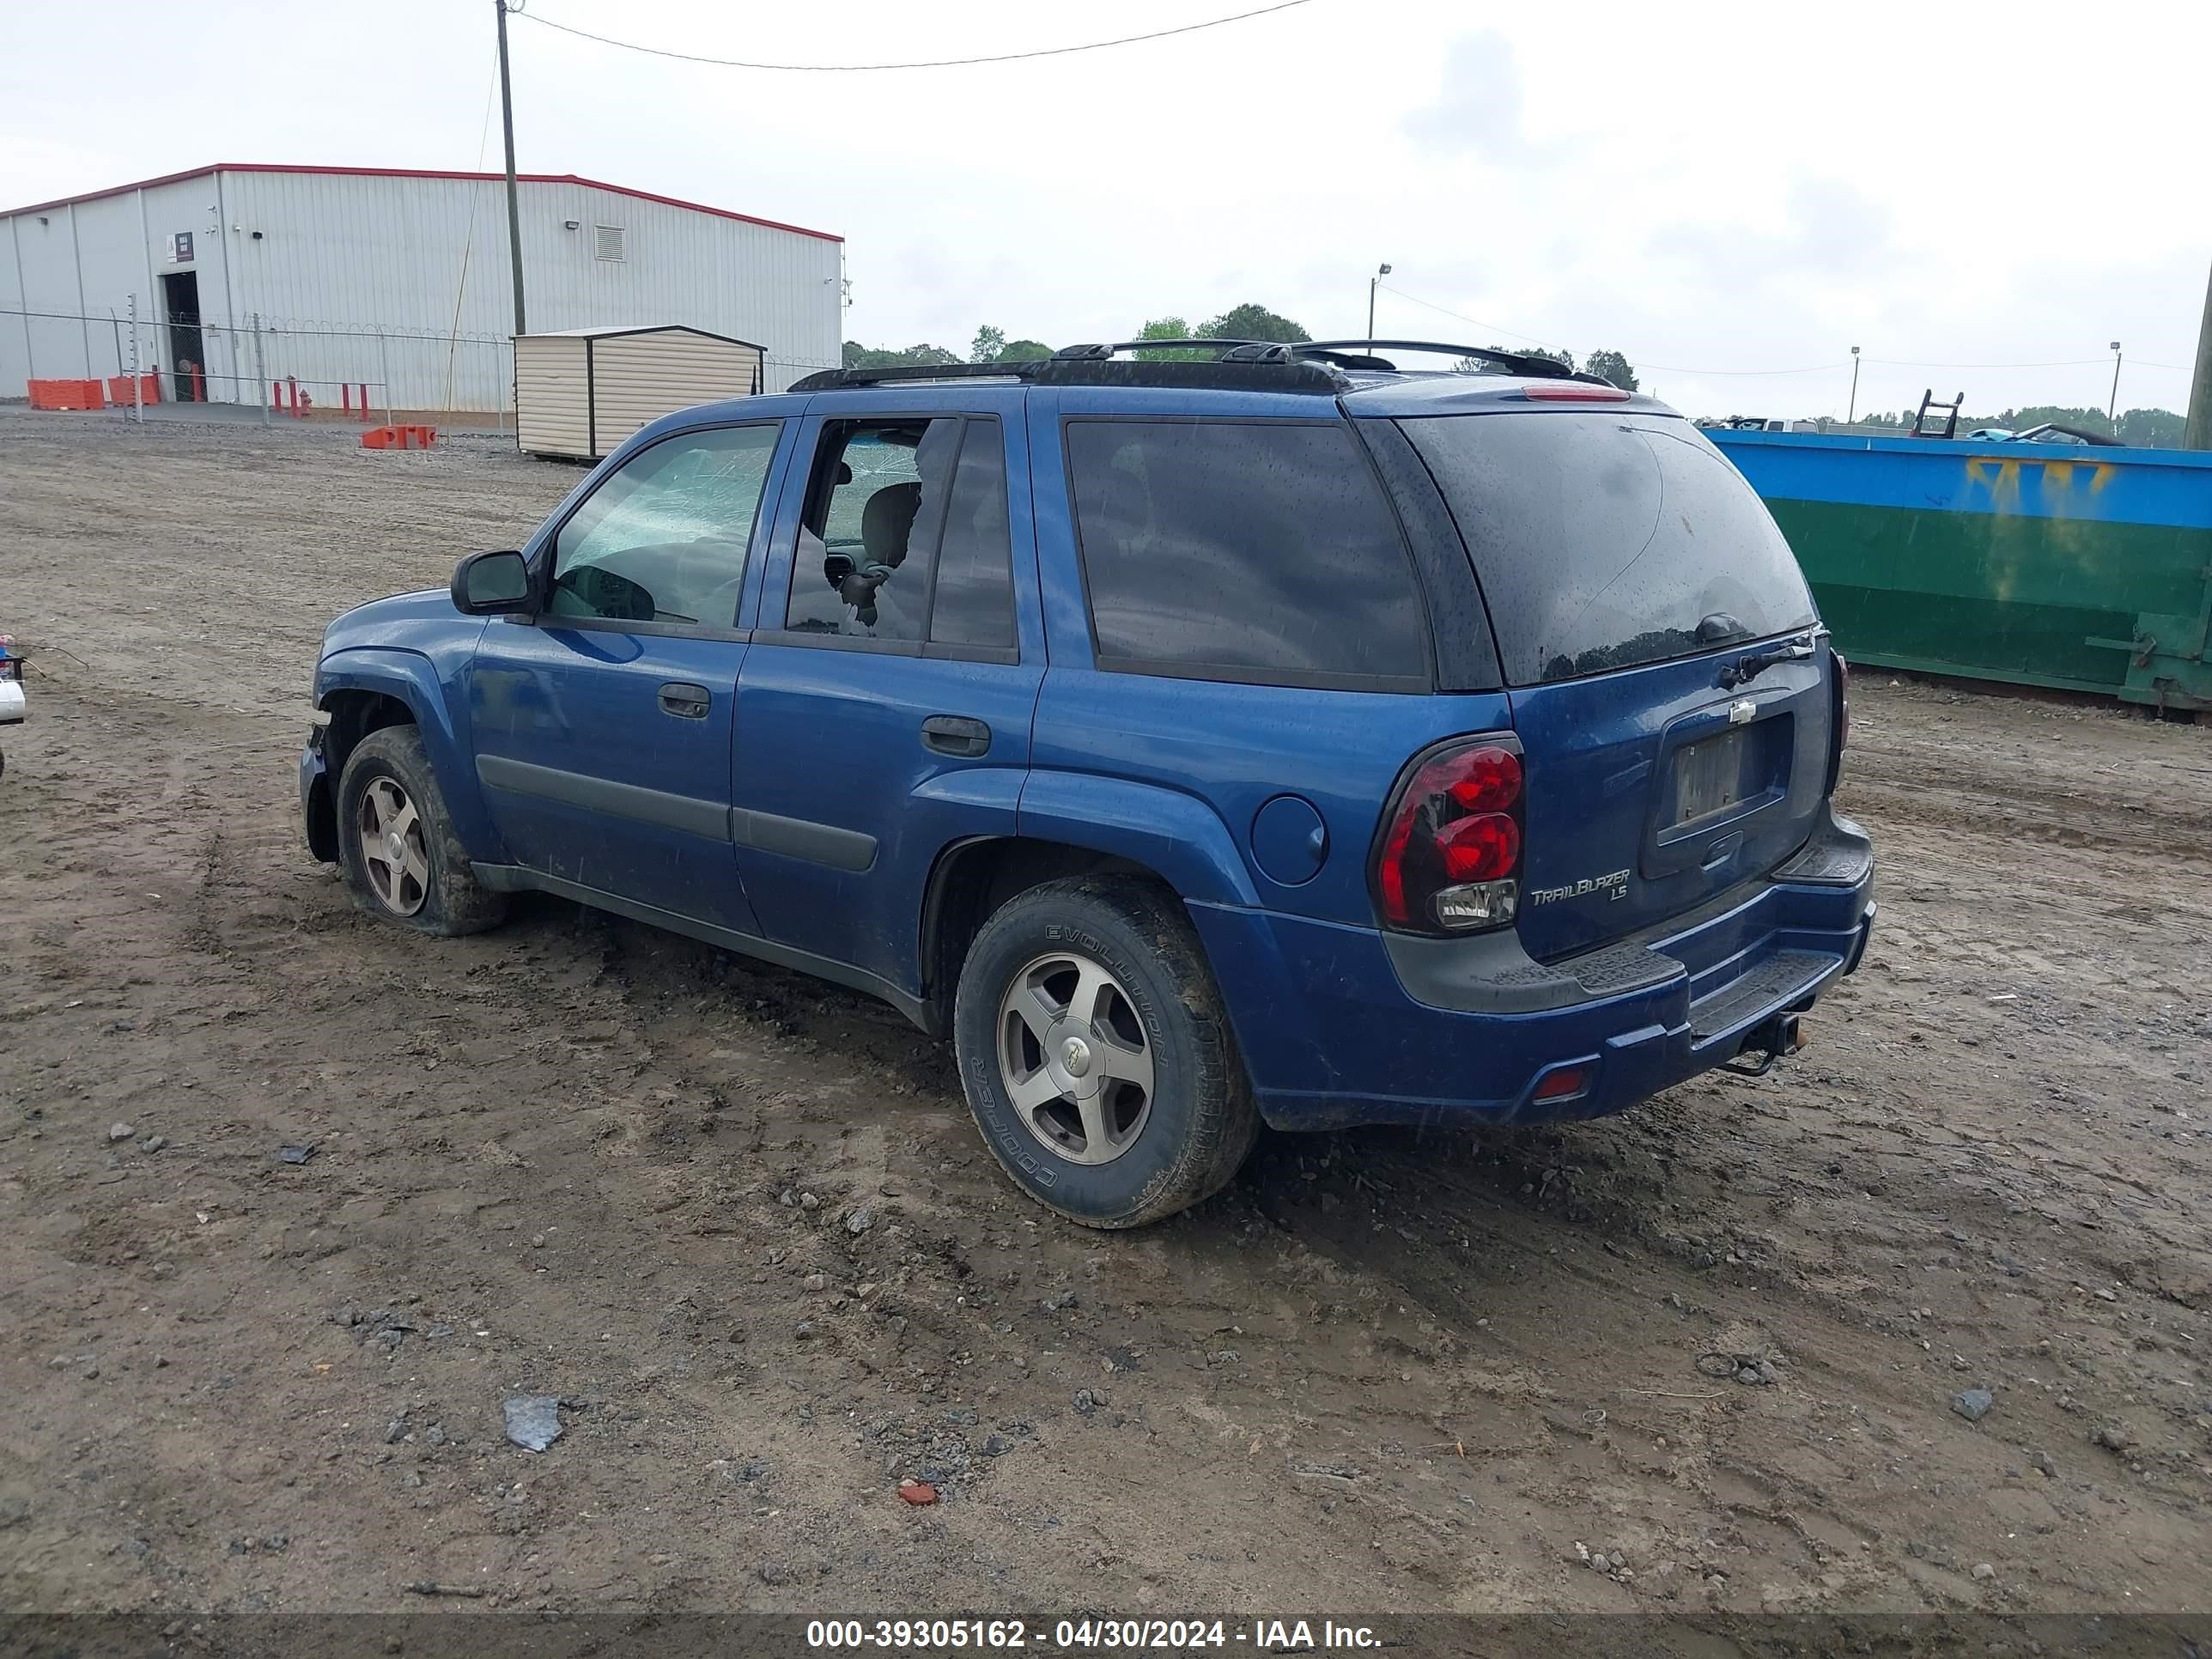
287	366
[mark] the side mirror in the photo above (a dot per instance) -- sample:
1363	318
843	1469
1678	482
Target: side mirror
492	585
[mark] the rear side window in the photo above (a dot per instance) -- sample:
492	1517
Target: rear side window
904	537
975	600
1257	550
1605	541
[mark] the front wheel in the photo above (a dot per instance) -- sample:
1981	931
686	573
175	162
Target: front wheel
397	844
1097	1055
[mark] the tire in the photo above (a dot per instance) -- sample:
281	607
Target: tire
1170	1115
423	879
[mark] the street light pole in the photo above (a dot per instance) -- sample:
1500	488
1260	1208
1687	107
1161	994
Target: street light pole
2199	434
2112	410
1373	282
1851	413
513	208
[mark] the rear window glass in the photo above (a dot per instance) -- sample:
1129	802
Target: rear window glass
1264	550
1603	541
973	605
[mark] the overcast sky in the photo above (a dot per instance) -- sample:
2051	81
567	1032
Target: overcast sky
1710	187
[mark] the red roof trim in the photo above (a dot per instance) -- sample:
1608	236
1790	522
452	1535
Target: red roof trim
424	172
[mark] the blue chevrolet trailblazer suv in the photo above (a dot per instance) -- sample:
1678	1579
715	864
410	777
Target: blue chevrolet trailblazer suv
1266	733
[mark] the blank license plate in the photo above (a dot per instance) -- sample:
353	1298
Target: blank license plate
1712	775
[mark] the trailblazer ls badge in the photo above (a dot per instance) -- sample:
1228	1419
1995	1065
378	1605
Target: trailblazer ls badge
1614	886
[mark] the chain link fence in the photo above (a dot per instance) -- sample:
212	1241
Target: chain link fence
284	365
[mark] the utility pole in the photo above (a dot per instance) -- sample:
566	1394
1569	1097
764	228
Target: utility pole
1851	413
2112	410
137	380
1374	282
513	208
264	394
2199	434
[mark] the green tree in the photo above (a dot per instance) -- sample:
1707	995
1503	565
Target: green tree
1024	351
1252	322
915	356
1610	366
1168	328
2152	429
990	343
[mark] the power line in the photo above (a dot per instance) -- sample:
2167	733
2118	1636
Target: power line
1810	368
941	63
1667	368
2064	362
1430	305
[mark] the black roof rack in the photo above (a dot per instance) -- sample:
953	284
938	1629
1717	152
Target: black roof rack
1338	354
1224	350
1094	365
1312	366
1359	354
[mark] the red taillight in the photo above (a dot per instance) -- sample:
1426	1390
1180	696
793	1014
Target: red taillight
1450	852
1574	392
1479	848
1839	733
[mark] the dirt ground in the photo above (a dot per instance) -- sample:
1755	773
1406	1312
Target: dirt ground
580	1157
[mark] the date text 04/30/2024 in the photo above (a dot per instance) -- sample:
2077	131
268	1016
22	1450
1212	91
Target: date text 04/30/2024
1086	1634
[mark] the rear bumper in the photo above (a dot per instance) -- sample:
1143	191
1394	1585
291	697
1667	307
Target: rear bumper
1344	1026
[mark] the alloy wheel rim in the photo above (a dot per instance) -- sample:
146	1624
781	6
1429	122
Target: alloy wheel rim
393	852
1074	1060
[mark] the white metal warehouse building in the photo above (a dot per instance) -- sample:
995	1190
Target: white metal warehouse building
338	278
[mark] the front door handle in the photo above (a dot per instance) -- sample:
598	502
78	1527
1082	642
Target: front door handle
951	734
685	700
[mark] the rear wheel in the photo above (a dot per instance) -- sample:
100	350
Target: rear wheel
1095	1054
397	845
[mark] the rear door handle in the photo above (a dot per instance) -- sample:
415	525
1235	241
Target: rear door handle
685	700
952	734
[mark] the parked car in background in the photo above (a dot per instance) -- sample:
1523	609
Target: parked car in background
1285	736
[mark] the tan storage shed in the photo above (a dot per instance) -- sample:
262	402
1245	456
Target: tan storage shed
580	391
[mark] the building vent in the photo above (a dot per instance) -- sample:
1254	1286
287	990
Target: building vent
607	242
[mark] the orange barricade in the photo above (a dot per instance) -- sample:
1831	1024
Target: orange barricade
398	437
68	394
